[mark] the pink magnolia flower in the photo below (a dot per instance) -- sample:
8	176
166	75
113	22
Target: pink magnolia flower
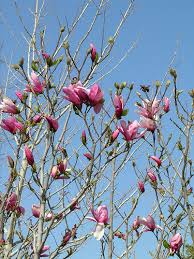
166	106
175	243
35	85
88	156
149	108
36	212
67	237
62	166
11	205
74	205
141	186
136	223
11	202
8	106
157	160
118	104
83	137
29	155
152	176
20	211
19	95
45	55
149	222
115	134
130	131
59	172
119	234
37	118
76	93
96	98
43	250
11	124
100	216
148	124
93	52
53	123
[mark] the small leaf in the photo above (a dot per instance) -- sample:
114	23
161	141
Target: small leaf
34	66
166	244
57	61
96	58
125	112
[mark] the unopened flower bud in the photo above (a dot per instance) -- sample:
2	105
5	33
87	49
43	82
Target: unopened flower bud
173	73
21	62
168	83
66	44
10	162
83	137
62	29
158	84
111	40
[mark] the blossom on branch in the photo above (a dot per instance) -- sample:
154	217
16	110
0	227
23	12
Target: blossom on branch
12	125
8	106
130	131
100	216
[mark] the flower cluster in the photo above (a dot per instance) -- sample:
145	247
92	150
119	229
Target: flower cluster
77	95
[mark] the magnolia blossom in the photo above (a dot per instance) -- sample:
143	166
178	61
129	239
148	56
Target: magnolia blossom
45	55
36	212
119	234
157	160
53	123
130	131
29	155
96	98
37	118
60	171
74	205
175	243
148	124
83	137
93	52
149	222
141	186
11	204
115	134
21	96
88	156
35	85
149	108
43	250
166	106
66	237
76	93
8	106
100	216
136	223
152	176
11	124
118	104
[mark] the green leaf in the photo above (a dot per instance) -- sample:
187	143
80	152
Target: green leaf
34	66
166	244
125	112
96	58
57	61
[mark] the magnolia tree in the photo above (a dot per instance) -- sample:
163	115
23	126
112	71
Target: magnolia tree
71	143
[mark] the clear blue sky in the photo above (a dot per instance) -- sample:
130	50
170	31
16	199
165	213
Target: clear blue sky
159	27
